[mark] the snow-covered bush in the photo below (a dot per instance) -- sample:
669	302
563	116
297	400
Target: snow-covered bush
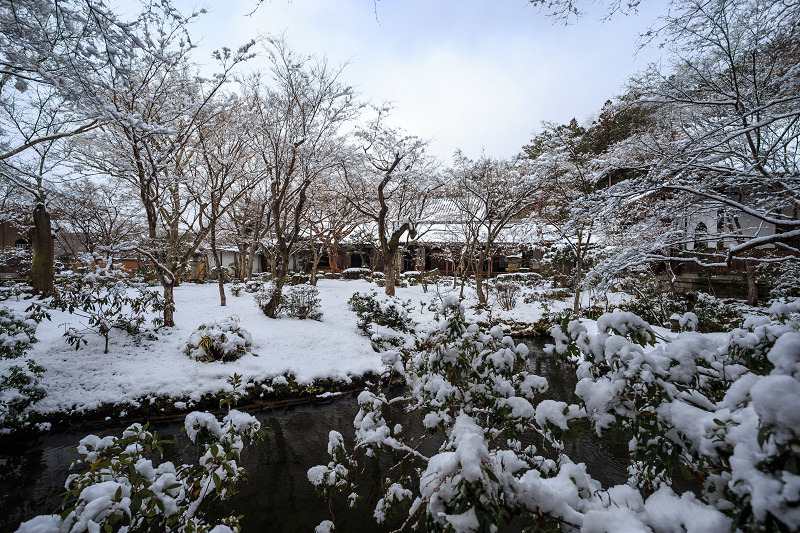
19	380
236	287
17	331
786	280
121	489
298	301
650	301
14	259
715	315
686	404
722	414
264	295
506	293
214	273
528	279
254	286
298	278
106	299
383	318
356	273
9	290
20	387
302	301
476	390
383	310
219	341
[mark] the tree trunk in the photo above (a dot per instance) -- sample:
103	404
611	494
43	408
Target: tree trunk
479	288
752	288
390	270
169	305
315	257
281	267
576	304
43	251
218	264
271	310
333	255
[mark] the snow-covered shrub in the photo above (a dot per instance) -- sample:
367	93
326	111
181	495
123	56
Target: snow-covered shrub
786	280
219	341
528	279
214	272
714	315
356	273
381	309
298	278
559	265
16	260
11	290
383	318
686	404
253	286
302	301
121	489
506	293
20	384
475	389
17	331
106	299
20	387
236	287
722	414
648	299
265	294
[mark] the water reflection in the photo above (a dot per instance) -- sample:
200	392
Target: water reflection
277	496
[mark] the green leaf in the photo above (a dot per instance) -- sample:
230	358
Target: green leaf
791	465
136	504
66	512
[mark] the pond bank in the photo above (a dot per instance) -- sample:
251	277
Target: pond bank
258	396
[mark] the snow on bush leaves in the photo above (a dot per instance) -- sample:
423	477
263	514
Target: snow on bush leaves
219	341
122	490
724	415
19	383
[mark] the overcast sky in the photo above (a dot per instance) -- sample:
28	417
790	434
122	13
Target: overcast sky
469	74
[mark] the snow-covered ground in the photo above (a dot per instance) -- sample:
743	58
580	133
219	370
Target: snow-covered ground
137	370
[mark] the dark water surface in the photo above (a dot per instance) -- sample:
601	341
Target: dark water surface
277	496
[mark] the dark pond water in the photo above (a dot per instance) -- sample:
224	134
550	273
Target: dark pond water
277	496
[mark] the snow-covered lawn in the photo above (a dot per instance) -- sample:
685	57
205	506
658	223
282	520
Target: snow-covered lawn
148	369
138	370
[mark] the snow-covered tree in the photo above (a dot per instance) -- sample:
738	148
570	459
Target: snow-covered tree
223	154
390	180
39	115
489	195
296	135
722	160
50	55
328	219
565	174
153	113
94	217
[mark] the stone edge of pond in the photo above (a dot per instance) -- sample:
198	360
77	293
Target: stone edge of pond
259	396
